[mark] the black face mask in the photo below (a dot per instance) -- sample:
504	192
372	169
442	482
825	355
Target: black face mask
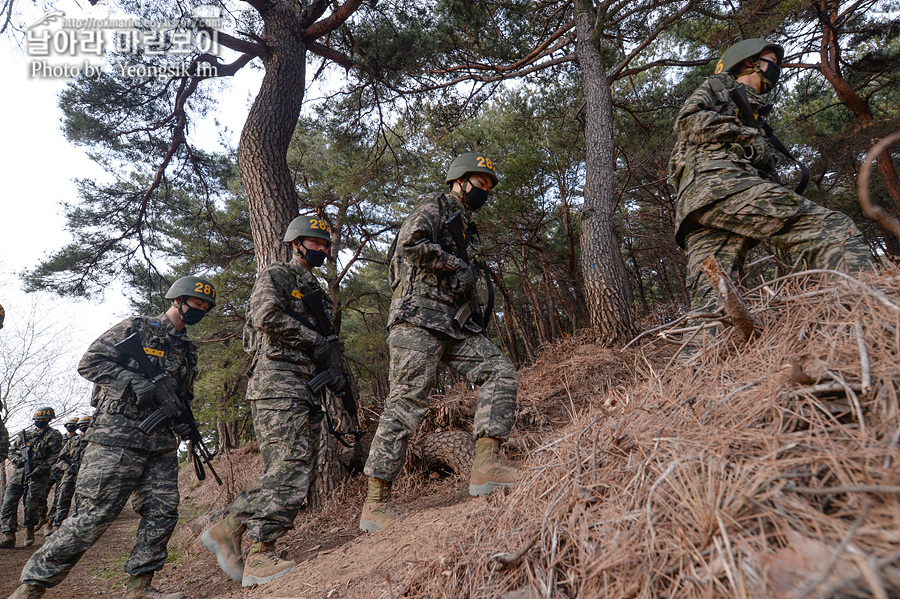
476	198
41	423
314	258
771	74
82	428
191	315
71	428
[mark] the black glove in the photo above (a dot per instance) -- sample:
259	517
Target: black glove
337	384
320	350
181	429
143	389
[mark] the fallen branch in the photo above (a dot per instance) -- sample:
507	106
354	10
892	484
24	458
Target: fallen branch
730	299
873	212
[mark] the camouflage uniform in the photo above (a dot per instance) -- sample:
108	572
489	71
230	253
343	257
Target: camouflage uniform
286	418
44	445
729	199
56	474
119	459
70	463
424	332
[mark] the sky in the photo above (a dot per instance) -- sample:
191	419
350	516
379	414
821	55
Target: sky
37	169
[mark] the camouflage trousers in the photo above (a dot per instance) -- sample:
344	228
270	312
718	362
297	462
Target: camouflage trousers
288	430
728	229
65	491
50	511
108	476
34	497
415	355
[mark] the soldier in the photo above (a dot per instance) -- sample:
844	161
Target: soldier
430	284
4	434
286	417
33	454
728	194
70	464
119	459
56	473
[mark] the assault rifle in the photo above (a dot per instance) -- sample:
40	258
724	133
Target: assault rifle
333	372
748	117
170	407
26	455
470	309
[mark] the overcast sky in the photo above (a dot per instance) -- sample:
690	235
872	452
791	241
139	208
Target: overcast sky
37	168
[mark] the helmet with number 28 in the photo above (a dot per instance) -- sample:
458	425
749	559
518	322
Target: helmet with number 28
193	287
469	163
308	226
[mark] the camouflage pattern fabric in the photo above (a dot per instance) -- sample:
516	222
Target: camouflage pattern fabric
729	197
65	489
286	418
45	446
4	442
108	477
119	413
56	474
426	291
414	356
120	460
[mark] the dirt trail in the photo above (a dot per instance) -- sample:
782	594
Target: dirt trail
98	574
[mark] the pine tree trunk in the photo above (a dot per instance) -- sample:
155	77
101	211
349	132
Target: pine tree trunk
604	283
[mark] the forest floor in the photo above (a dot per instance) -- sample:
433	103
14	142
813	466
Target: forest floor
768	468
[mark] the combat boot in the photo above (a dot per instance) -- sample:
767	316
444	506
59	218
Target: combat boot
9	540
264	565
29	536
224	541
488	472
28	591
138	587
379	511
49	530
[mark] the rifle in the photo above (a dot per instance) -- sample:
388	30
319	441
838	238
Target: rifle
333	374
26	454
471	307
170	407
748	117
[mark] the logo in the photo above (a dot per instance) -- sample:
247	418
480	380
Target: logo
63	46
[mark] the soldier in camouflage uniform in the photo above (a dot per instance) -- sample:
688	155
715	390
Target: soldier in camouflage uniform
430	284
287	419
33	454
728	195
119	459
70	464
56	473
4	434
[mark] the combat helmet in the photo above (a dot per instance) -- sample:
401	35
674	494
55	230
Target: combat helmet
468	163
73	423
84	422
308	226
739	52
45	413
193	287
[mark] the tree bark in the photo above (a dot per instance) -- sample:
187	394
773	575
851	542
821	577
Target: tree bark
262	151
604	286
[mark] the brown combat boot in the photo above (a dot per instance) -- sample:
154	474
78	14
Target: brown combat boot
264	565
28	591
9	540
138	587
488	472
224	541
379	511
29	536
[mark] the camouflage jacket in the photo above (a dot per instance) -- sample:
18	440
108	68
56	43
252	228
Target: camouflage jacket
283	342
43	446
118	413
70	456
709	161
426	292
